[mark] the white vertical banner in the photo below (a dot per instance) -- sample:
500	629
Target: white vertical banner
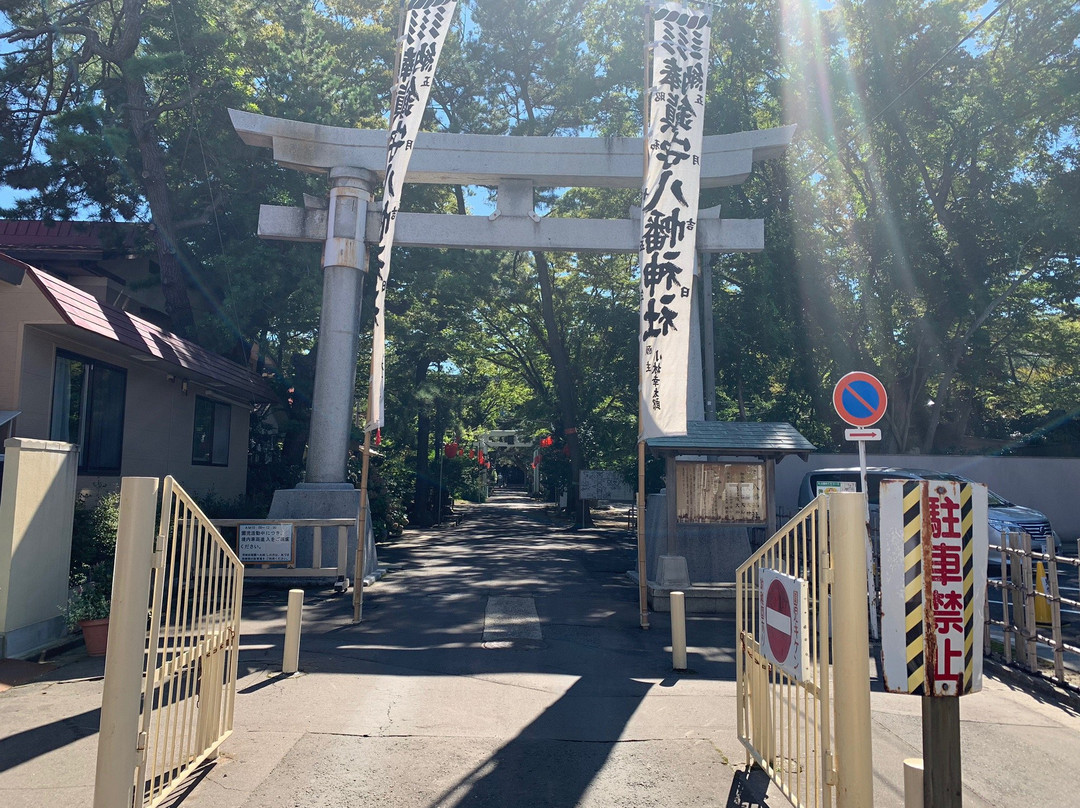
669	209
426	25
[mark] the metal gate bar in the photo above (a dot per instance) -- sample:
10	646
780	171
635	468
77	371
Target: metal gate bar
169	696
812	752
783	722
191	660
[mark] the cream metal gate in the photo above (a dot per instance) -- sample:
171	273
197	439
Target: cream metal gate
181	594
814	749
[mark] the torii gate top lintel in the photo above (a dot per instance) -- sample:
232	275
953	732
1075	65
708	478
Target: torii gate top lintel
461	159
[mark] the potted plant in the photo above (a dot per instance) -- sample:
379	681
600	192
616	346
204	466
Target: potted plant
89	601
93	548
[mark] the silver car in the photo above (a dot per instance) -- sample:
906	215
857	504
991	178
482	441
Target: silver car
1002	516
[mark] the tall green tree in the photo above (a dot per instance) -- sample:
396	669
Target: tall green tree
939	211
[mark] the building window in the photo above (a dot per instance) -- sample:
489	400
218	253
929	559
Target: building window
210	441
88	409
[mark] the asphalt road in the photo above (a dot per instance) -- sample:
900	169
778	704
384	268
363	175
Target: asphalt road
500	663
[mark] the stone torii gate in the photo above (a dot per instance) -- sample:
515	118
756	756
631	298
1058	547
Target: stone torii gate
355	160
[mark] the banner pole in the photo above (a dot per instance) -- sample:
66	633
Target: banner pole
643	594
362	527
643	591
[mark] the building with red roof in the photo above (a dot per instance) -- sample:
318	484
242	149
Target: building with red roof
84	360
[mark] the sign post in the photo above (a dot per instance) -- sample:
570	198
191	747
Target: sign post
933	574
860	400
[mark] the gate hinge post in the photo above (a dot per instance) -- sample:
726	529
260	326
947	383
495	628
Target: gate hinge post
827	574
830	769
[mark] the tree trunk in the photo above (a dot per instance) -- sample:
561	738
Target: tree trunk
441	417
173	283
422	491
564	382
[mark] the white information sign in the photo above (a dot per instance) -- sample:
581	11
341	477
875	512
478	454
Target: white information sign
933	584
265	544
783	623
609	485
835	487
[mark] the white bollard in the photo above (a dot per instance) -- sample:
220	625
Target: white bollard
913	783
678	631
291	662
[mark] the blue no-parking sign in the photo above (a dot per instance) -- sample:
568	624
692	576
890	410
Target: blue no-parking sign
860	399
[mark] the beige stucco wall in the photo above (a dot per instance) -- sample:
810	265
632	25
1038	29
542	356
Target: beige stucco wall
35	383
158	417
18	305
35	542
158	424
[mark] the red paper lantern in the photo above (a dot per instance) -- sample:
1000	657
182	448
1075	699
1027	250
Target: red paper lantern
546	441
451	450
472	454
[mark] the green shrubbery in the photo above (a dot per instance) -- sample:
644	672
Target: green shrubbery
93	535
93	550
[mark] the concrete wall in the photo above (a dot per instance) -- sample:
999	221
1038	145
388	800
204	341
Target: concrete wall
36	510
1048	484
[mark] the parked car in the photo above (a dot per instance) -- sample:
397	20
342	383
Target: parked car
1002	516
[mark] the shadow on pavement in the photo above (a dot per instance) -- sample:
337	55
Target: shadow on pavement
427	618
29	744
748	789
562	740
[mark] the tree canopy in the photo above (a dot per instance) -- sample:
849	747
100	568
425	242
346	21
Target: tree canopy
921	227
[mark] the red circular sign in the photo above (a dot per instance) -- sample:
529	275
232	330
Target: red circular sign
778	623
860	399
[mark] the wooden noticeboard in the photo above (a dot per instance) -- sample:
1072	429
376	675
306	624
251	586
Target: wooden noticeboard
721	493
266	544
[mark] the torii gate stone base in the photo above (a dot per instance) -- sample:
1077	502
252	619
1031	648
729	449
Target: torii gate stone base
355	160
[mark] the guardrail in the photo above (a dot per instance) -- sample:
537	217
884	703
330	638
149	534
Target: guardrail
1017	592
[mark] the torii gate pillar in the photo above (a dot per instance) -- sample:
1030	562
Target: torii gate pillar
344	265
325	493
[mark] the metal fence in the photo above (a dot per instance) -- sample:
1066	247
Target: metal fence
783	722
170	674
1030	607
814	753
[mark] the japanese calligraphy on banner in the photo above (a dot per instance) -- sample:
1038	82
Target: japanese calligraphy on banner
933	579
669	209
426	25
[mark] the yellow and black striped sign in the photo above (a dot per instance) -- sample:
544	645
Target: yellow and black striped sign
913	587
932	554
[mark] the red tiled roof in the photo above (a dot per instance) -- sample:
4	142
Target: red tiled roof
83	310
27	235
